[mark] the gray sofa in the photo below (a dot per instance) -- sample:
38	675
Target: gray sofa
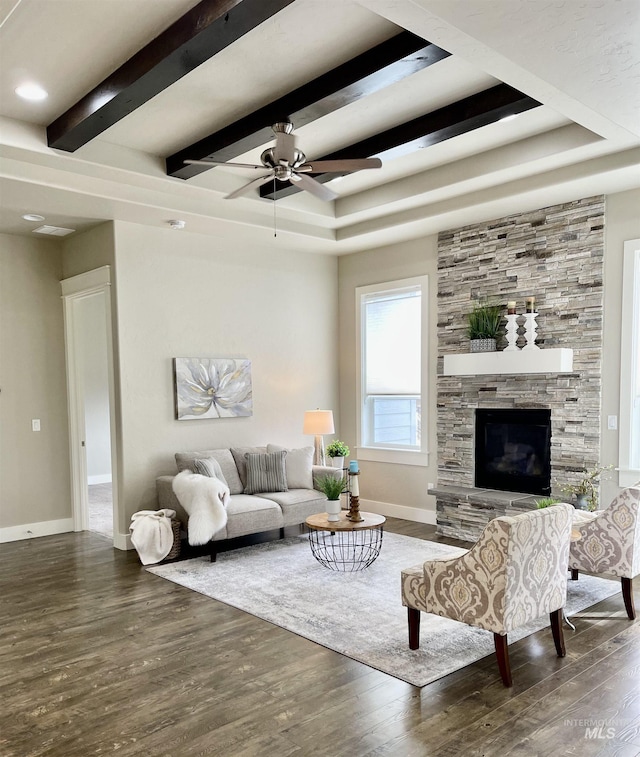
255	513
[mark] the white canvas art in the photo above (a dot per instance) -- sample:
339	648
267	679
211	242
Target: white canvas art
212	388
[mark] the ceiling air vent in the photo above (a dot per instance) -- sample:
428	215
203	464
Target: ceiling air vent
54	231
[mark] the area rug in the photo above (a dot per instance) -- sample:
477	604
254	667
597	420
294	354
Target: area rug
357	614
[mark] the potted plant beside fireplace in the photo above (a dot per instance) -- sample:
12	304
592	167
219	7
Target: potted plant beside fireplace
483	326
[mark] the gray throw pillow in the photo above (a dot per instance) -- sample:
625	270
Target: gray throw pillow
265	472
209	466
239	455
298	466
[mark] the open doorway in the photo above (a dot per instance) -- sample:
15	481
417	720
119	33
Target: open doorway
89	355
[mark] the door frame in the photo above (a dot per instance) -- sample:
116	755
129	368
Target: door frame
95	283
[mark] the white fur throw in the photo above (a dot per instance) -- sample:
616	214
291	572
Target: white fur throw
151	534
204	499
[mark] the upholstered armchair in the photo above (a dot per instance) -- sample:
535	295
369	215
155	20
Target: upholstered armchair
609	542
516	572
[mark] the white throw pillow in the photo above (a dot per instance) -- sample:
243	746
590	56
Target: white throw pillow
298	465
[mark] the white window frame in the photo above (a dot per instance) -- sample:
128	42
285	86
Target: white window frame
382	454
629	473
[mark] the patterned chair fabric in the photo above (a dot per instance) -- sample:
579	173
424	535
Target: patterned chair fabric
516	572
610	541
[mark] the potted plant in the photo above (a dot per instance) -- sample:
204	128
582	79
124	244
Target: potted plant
483	326
332	487
547	502
585	490
337	451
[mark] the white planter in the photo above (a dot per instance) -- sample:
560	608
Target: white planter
337	462
334	508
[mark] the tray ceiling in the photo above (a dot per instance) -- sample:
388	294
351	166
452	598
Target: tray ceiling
136	86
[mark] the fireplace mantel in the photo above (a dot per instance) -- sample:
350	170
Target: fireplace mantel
556	360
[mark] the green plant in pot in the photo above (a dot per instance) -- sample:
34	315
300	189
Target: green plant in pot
331	487
547	502
483	326
585	490
337	451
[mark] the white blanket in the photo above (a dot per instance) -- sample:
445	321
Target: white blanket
205	500
151	534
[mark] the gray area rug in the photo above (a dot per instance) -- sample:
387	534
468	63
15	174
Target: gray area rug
357	614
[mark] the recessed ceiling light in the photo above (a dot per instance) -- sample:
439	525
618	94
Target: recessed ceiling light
508	118
33	217
177	224
31	91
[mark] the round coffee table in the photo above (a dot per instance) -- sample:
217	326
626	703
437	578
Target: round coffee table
345	545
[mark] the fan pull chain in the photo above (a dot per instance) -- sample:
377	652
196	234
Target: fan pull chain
275	230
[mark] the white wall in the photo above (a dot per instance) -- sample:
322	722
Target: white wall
403	486
622	222
34	466
186	295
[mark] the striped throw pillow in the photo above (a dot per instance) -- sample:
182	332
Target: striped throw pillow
209	466
265	472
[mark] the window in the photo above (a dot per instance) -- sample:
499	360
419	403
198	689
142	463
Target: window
630	366
392	332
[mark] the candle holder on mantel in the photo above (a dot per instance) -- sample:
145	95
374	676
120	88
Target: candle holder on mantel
354	498
512	333
531	327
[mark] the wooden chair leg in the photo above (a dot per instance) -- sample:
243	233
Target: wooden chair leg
558	634
502	653
413	617
574	574
627	594
282	533
213	552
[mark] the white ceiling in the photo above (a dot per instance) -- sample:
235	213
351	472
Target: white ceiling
579	58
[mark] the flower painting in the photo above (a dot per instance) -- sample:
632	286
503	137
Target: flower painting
212	388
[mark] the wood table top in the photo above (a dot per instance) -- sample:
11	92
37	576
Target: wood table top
319	522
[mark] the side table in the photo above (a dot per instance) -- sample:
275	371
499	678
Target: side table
344	545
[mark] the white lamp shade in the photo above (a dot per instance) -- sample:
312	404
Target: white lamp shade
318	422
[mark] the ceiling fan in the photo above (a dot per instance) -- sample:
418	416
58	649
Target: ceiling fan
286	163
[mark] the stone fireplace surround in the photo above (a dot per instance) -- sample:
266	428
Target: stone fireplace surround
555	254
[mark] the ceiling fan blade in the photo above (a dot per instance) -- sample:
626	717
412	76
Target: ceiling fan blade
340	166
254	184
313	186
206	161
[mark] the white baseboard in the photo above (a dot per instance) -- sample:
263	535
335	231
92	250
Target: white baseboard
103	478
416	514
122	541
34	530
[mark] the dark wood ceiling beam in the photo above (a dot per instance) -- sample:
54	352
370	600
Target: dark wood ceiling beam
389	62
206	29
453	120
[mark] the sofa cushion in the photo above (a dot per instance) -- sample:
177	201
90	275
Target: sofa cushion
209	466
241	466
251	514
298	466
184	460
265	472
298	504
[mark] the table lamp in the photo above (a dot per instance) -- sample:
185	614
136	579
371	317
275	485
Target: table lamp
317	423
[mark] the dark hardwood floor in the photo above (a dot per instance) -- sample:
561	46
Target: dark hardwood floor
100	657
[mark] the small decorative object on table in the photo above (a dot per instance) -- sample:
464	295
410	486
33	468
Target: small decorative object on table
354	497
332	487
585	490
337	451
483	326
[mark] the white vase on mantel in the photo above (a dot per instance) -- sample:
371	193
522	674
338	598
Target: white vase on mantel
337	462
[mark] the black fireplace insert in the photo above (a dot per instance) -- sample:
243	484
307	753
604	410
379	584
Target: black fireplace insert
513	450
